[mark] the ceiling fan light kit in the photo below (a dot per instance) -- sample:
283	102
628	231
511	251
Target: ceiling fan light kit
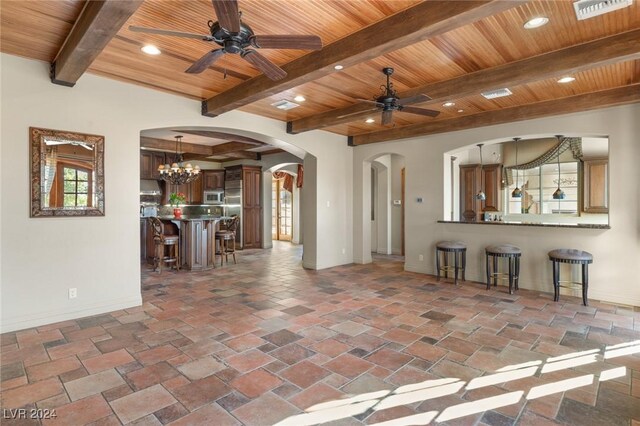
235	37
388	101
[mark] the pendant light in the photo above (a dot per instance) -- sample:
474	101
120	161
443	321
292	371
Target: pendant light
517	193
480	195
559	194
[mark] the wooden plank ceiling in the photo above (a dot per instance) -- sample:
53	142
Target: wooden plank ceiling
37	30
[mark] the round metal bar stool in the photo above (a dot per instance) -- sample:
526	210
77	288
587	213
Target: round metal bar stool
459	250
506	251
575	257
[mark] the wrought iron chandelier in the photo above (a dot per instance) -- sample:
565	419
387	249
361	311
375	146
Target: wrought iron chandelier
179	173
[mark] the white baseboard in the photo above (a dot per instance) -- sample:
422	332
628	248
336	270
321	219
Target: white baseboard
43	318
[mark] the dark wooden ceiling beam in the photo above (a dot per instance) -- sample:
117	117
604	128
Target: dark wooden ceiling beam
98	23
415	24
593	54
243	155
170	146
606	98
221	135
229	147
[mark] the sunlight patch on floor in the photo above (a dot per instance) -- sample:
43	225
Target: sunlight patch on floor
484	404
622	349
560	386
419	395
432	389
494	379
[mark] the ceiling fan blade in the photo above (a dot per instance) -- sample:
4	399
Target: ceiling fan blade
387	117
303	42
227	13
420	111
413	99
204	37
373	108
369	101
269	69
205	62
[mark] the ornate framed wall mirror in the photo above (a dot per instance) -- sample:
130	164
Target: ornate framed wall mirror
67	173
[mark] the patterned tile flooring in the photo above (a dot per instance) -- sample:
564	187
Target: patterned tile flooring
266	342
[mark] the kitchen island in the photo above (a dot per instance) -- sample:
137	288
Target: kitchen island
197	240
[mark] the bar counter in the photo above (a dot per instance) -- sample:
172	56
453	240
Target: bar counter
540	224
197	240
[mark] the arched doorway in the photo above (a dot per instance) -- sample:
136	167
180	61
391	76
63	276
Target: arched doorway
289	155
382	207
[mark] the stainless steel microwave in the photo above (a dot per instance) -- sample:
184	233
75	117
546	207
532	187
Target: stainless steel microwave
213	197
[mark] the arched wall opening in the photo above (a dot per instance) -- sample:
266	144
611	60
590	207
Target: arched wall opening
288	163
304	207
380	208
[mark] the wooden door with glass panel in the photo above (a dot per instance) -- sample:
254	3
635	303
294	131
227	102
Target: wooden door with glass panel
281	212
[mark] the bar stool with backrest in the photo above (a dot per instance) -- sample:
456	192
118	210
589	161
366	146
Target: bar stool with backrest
167	247
505	251
227	240
459	250
574	257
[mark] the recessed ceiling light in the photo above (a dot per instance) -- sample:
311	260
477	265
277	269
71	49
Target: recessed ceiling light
299	98
536	22
338	67
369	120
566	80
448	104
460	110
150	49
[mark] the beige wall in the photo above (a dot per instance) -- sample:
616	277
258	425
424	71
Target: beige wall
616	251
43	257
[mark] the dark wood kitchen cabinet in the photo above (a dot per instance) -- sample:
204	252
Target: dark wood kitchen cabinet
251	224
595	184
192	191
252	207
213	180
149	163
471	180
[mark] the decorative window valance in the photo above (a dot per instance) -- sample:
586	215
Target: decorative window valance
288	180
573	144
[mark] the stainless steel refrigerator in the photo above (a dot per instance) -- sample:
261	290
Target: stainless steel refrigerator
233	205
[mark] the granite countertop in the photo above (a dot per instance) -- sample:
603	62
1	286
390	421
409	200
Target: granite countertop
190	218
541	224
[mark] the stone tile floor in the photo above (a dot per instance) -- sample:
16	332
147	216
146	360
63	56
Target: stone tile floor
266	342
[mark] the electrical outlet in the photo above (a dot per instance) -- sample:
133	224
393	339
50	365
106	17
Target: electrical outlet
328	203
421	258
344	250
73	293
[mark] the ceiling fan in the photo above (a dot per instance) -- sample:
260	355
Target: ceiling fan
388	101
234	36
